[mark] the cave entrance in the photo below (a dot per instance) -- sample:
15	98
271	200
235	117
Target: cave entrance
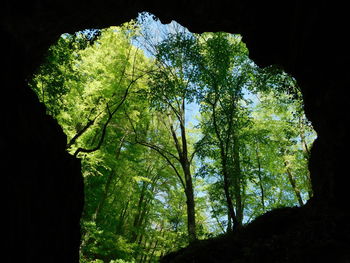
180	135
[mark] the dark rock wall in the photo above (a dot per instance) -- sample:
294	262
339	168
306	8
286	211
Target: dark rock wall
44	189
44	192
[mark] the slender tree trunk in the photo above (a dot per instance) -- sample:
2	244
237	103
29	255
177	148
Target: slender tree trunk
104	196
229	202
143	258
191	215
229	223
237	181
186	167
260	179
156	245
229	227
120	223
137	250
142	211
108	184
307	156
225	170
137	217
303	139
293	184
142	250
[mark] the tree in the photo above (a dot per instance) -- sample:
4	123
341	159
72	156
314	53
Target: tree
225	73
171	89
274	157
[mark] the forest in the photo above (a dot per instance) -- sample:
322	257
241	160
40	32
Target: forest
181	136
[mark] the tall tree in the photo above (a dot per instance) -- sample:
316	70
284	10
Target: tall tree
225	72
171	91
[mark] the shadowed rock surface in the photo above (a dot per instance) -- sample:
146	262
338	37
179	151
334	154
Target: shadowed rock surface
43	184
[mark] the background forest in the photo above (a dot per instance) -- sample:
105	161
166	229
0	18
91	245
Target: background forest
181	136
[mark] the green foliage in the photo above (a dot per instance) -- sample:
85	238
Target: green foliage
123	97
104	245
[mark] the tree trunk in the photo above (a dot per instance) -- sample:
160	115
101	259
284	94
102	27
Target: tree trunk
186	167
229	202
307	156
229	223
119	226
156	245
104	197
260	179
191	215
225	170
293	184
137	217
153	251
237	181
110	178
137	250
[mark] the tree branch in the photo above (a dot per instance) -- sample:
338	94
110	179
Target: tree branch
176	141
158	150
110	116
81	132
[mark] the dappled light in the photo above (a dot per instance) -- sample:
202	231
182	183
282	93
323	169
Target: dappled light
181	136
